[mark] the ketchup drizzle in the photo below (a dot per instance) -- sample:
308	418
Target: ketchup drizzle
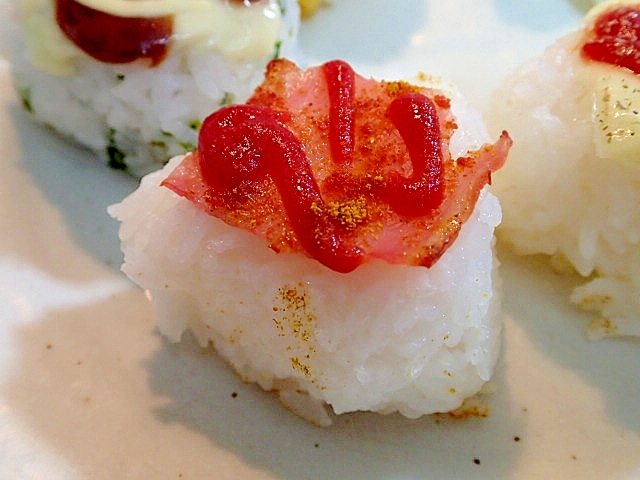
416	119
341	83
244	144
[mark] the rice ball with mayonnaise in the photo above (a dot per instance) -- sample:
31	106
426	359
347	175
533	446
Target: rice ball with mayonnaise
133	80
571	187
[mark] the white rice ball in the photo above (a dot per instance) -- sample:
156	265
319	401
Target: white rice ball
568	190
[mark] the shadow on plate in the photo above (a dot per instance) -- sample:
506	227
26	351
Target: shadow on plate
251	423
64	193
96	385
99	386
558	329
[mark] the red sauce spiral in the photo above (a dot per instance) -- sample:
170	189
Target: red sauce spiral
245	143
242	144
339	167
416	118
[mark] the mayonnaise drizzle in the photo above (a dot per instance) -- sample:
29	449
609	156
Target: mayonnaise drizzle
615	100
616	116
242	33
144	8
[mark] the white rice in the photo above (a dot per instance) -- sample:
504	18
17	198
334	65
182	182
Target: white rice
383	338
559	197
136	117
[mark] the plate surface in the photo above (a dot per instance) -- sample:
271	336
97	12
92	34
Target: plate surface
88	388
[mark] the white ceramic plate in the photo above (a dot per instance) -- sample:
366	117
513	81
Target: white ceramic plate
88	389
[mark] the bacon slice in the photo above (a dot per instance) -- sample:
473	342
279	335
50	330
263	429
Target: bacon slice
380	184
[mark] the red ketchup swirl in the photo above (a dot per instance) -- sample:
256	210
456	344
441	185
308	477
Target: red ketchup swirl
113	39
244	144
614	38
415	117
339	167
